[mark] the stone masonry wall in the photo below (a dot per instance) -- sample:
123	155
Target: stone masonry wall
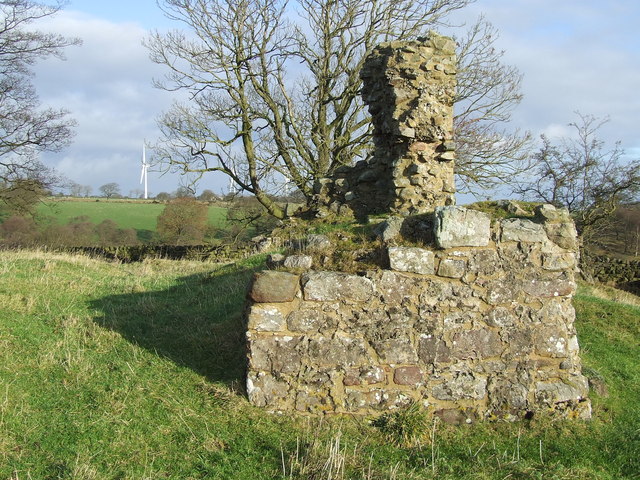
409	88
479	325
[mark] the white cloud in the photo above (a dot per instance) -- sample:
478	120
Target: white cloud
106	84
576	55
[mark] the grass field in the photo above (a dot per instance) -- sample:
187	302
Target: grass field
135	371
139	215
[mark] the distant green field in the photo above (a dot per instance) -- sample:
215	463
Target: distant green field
137	215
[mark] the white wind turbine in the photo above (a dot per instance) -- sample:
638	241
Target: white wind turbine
145	168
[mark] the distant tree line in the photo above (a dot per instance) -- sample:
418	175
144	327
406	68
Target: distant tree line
20	231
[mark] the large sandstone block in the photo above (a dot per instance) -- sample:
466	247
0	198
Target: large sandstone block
274	287
412	259
461	227
522	230
332	286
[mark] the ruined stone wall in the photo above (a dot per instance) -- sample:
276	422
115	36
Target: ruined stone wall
409	88
477	325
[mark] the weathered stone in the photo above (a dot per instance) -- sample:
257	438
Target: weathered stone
264	390
298	262
350	351
452	268
265	318
512	207
491	336
557	311
551	341
462	385
363	400
520	341
485	262
364	376
389	229
562	234
407	376
277	354
316	378
313	402
396	287
557	262
522	230
476	344
274	287
395	350
394	399
549	288
551	393
549	213
501	292
461	227
262	244
432	349
500	317
508	395
331	286
411	259
309	320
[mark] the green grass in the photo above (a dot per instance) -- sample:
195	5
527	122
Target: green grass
135	371
139	215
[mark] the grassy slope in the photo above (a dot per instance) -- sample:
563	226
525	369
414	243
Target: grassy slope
134	371
139	215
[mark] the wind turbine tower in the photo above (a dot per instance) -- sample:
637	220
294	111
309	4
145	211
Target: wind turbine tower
144	174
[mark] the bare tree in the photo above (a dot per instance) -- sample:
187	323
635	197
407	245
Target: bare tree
183	222
487	154
277	101
75	189
580	173
110	190
25	128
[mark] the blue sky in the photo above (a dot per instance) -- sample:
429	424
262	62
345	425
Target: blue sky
575	55
143	12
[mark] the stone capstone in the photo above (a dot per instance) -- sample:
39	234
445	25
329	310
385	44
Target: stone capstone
274	287
461	227
522	230
412	259
331	286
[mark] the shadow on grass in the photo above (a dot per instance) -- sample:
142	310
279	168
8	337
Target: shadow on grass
197	323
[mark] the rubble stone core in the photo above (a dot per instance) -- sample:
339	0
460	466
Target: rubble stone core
409	88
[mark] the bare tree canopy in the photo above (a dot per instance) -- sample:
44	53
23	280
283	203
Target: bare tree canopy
488	90
274	89
582	174
25	128
110	190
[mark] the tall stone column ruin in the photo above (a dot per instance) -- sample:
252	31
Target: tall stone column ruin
409	88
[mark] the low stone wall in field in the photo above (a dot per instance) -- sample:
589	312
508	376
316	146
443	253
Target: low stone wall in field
477	325
612	270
